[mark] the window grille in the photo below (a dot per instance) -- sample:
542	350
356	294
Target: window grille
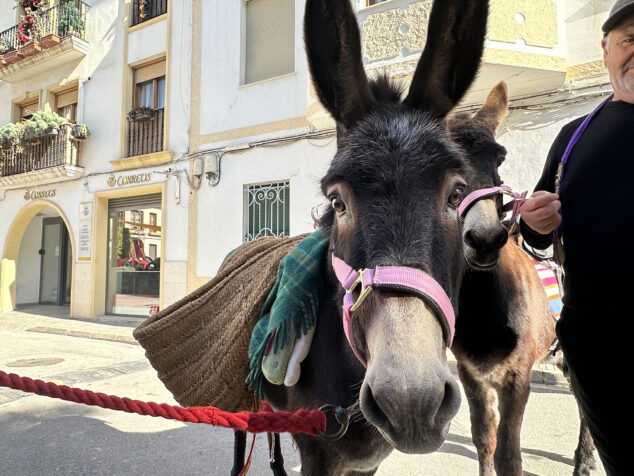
266	210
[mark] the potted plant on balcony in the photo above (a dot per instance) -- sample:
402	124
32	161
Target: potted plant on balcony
4	45
70	20
32	5
10	136
28	35
79	131
144	6
43	123
13	56
141	114
50	40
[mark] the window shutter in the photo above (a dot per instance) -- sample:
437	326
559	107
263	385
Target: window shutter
270	39
29	108
66	98
150	71
134	203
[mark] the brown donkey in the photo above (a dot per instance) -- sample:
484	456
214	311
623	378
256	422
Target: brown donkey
505	324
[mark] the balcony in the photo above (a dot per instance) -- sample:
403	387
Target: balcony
144	10
525	44
145	131
45	159
59	38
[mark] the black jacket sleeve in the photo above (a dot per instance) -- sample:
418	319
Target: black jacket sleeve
547	182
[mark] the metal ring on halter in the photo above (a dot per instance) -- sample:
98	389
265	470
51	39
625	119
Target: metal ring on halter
364	291
342	415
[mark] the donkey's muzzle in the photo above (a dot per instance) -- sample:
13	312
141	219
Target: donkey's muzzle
408	392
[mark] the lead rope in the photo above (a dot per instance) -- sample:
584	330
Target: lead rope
558	246
312	422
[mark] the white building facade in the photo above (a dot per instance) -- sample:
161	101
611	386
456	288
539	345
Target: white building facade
202	115
86	221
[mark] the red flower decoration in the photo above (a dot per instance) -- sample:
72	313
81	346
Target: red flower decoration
27	29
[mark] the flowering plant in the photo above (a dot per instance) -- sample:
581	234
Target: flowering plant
32	4
27	29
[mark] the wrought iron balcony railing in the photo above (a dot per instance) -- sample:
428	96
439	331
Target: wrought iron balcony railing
64	19
40	153
145	131
144	10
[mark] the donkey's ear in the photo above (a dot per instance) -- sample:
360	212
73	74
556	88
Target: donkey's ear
495	108
450	60
333	47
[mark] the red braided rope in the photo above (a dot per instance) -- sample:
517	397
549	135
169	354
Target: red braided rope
300	421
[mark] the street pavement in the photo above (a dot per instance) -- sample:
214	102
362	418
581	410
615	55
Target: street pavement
40	435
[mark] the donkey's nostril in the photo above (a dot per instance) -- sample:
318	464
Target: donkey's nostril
471	239
450	402
501	238
486	241
371	407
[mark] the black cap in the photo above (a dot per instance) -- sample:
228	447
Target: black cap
620	10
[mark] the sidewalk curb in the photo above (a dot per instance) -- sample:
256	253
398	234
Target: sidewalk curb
123	339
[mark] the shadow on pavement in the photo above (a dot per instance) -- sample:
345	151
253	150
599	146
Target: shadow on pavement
72	445
463	440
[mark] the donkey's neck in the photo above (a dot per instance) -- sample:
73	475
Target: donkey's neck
490	316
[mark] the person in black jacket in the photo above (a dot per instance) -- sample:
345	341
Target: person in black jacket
594	208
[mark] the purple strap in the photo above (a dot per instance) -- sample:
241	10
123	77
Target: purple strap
391	277
558	249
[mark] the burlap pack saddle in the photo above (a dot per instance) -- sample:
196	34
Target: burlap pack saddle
199	344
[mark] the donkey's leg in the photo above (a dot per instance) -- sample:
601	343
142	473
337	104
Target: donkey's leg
585	463
513	397
275	453
239	447
483	419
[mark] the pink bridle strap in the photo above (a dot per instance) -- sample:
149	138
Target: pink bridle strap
513	206
397	278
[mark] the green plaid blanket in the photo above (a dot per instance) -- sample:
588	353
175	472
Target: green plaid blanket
292	306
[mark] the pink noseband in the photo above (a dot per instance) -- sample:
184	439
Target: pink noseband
398	278
513	206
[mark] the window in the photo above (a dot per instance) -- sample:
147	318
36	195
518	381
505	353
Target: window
149	83
137	216
27	109
266	210
66	104
153	219
369	3
133	267
270	39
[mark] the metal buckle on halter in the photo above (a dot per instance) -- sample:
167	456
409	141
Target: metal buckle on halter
364	291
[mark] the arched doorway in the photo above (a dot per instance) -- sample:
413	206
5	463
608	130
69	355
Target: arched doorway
38	259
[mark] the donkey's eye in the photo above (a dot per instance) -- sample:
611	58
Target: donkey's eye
337	204
456	197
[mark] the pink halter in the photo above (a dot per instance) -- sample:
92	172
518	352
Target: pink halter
398	278
513	206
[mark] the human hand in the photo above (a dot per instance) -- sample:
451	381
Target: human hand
541	212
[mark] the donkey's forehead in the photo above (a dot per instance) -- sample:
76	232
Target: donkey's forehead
394	144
